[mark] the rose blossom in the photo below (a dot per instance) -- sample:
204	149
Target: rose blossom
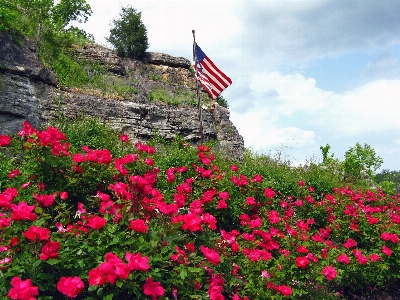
70	286
211	255
329	272
22	289
153	288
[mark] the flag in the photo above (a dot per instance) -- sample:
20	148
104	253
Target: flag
211	78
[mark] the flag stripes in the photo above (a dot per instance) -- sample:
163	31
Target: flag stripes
210	76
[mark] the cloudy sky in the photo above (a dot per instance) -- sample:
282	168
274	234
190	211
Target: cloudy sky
305	73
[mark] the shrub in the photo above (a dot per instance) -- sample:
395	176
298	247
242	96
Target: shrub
180	222
128	34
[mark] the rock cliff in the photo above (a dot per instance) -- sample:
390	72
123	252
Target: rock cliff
29	91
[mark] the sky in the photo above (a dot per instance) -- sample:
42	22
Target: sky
305	73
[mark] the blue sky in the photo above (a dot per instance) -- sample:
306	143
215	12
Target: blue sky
305	73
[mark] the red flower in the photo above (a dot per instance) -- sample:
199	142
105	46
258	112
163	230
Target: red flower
50	250
39	233
269	193
96	277
302	262
192	222
63	195
5	222
8	196
22	289
386	250
211	255
95	222
329	272
343	258
70	286
153	288
4	140
302	249
113	267
138	225
284	290
137	262
374	257
23	211
124	138
14	173
45	200
273	217
350	243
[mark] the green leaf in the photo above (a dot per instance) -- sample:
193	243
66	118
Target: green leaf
36	263
52	261
183	274
108	297
119	283
194	270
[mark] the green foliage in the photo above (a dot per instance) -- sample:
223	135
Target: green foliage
258	218
222	101
361	162
128	34
180	97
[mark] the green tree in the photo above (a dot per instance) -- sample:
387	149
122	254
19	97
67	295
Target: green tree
129	35
361	162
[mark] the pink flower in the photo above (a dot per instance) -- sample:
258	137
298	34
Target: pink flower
22	289
37	233
302	262
350	243
302	249
269	193
96	277
265	274
301	183
137	262
70	286
23	211
4	140
95	222
211	255
113	267
124	138
273	217
5	222
153	288
138	225
284	290
63	195
45	200
386	250
374	257
329	272
50	250
14	173
343	258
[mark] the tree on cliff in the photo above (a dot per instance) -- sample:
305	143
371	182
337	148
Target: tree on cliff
129	35
38	19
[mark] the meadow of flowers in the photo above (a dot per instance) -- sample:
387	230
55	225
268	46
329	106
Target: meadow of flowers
124	223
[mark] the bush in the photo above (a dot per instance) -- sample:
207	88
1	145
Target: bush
129	35
172	221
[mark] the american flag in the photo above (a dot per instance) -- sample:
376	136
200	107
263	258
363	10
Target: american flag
211	78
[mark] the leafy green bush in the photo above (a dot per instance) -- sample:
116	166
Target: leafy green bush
128	34
167	220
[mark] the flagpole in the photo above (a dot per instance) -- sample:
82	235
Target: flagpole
198	90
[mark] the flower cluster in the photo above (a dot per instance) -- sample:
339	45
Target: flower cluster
126	227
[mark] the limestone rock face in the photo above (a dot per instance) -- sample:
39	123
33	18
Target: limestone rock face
29	91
